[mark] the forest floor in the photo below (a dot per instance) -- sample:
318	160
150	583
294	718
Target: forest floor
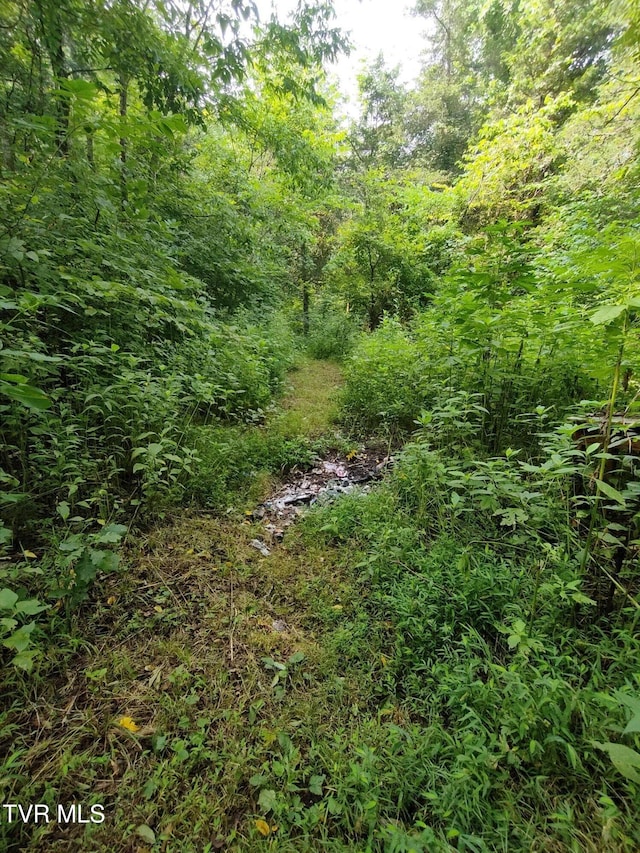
200	672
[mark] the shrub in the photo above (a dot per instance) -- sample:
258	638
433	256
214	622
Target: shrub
332	333
386	380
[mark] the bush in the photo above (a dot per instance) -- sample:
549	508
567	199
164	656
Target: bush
332	333
506	690
386	380
232	457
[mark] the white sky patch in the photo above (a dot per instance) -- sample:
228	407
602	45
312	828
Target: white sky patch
375	26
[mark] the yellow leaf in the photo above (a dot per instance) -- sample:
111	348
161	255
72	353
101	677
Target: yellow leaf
190	552
111	600
274	828
158	609
128	724
352	454
263	827
384	659
30	554
337	607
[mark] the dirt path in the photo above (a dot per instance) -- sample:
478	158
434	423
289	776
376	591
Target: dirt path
205	663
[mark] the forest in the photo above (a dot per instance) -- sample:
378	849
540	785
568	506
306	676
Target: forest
320	434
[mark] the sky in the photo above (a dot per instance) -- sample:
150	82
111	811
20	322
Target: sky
375	26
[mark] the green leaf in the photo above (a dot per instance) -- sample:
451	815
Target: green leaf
13	497
333	806
607	314
24	660
159	742
32	398
315	785
631	702
8	599
82	89
85	568
610	492
104	561
96	674
63	510
581	598
625	760
151	786
112	533
146	833
20	639
30	607
267	799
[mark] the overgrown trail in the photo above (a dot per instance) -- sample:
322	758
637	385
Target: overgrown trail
208	663
310	404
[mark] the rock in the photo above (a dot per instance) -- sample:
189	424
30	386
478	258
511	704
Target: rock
259	545
276	534
335	468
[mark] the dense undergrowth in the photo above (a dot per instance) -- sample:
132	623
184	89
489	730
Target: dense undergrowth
446	662
515	686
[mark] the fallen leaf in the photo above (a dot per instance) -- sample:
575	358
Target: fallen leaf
111	600
30	555
128	724
145	832
337	607
263	827
158	609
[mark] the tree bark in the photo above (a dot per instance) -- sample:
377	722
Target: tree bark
305	308
124	94
53	36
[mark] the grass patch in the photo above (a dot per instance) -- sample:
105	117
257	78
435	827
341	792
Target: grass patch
227	673
310	407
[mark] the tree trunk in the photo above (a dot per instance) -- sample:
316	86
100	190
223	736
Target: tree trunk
53	36
124	92
305	308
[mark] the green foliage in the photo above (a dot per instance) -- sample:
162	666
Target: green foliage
393	246
332	332
489	644
232	458
444	660
385	384
17	633
143	247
